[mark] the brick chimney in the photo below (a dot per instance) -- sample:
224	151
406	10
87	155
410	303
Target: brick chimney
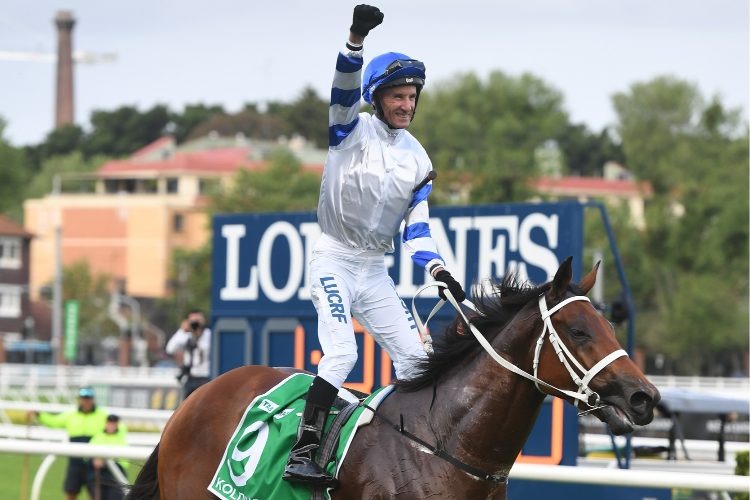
64	112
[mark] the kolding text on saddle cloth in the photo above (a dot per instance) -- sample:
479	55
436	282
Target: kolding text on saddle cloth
254	459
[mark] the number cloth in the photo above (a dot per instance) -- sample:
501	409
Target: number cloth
254	460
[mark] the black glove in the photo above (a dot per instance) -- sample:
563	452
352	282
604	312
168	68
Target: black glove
453	285
365	18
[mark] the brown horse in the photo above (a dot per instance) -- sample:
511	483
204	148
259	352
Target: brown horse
482	413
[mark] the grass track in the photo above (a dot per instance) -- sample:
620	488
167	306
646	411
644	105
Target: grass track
11	467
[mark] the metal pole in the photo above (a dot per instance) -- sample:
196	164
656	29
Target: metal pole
628	296
57	284
135	321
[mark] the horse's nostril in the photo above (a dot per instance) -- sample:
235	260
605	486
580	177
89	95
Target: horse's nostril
640	399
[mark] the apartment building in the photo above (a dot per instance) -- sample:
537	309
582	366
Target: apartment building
134	213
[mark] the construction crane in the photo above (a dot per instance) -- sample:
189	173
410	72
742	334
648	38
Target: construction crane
79	57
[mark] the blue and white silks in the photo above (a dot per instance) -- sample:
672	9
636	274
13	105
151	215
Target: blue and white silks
370	172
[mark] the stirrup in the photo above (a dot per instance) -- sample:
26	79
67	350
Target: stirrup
304	470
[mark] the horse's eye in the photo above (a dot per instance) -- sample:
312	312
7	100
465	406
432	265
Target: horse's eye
577	333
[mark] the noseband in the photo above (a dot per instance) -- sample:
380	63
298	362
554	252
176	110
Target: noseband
584	394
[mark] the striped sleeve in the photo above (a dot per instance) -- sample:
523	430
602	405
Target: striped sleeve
416	235
345	95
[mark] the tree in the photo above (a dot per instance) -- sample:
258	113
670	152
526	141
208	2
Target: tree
14	172
654	117
91	291
190	277
306	116
586	152
193	115
489	130
41	183
695	245
123	131
248	122
282	186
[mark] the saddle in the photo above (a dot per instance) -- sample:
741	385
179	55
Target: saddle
254	460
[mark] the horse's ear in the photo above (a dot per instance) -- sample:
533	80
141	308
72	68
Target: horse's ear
562	278
587	283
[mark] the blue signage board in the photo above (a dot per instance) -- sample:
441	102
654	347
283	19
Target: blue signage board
260	261
261	308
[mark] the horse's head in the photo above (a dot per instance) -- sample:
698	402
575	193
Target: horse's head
627	397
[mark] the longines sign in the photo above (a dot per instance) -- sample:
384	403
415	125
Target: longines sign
260	261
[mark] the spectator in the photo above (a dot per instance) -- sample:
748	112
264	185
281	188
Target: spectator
81	424
113	434
193	340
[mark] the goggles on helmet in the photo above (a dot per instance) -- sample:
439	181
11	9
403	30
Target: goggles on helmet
395	66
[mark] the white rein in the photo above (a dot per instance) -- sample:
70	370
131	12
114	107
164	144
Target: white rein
584	394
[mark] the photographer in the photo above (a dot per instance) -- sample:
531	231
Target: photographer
193	339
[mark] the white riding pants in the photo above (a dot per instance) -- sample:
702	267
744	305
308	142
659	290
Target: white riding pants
346	282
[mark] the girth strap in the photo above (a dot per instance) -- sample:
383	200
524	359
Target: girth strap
439	452
327	450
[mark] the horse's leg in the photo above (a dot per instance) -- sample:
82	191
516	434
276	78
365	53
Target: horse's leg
193	443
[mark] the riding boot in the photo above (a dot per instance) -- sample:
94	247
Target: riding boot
301	465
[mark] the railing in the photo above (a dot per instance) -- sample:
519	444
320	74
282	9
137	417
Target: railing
129	415
739	387
559	474
24	382
40	433
82	450
60	383
626	477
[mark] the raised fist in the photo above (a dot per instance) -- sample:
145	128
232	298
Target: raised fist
365	18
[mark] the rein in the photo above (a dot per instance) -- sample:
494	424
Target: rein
584	393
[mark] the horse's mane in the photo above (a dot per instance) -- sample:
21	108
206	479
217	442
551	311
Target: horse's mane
496	305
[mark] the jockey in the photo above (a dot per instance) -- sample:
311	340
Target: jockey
367	191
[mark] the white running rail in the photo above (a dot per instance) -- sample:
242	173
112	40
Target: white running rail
560	474
620	477
59	383
157	418
83	450
738	387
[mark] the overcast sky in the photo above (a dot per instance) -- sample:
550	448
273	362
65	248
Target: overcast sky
235	51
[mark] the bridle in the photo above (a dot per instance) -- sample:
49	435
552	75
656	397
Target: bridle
584	393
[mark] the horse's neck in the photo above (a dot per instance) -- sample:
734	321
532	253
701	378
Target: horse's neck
487	412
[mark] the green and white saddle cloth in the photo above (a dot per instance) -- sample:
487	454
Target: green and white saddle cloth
254	460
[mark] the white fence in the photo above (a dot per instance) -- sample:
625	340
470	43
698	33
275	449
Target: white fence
642	478
560	474
737	387
60	383
153	419
83	450
39	433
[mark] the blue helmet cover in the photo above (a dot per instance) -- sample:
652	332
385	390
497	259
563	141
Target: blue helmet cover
377	67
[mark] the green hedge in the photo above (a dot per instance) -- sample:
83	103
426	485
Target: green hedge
742	469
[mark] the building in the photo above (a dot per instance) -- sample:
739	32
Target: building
135	212
14	275
23	322
617	186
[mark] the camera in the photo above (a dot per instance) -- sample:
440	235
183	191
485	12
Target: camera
194	325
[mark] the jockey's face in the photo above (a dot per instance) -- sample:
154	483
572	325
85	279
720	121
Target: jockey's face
398	104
